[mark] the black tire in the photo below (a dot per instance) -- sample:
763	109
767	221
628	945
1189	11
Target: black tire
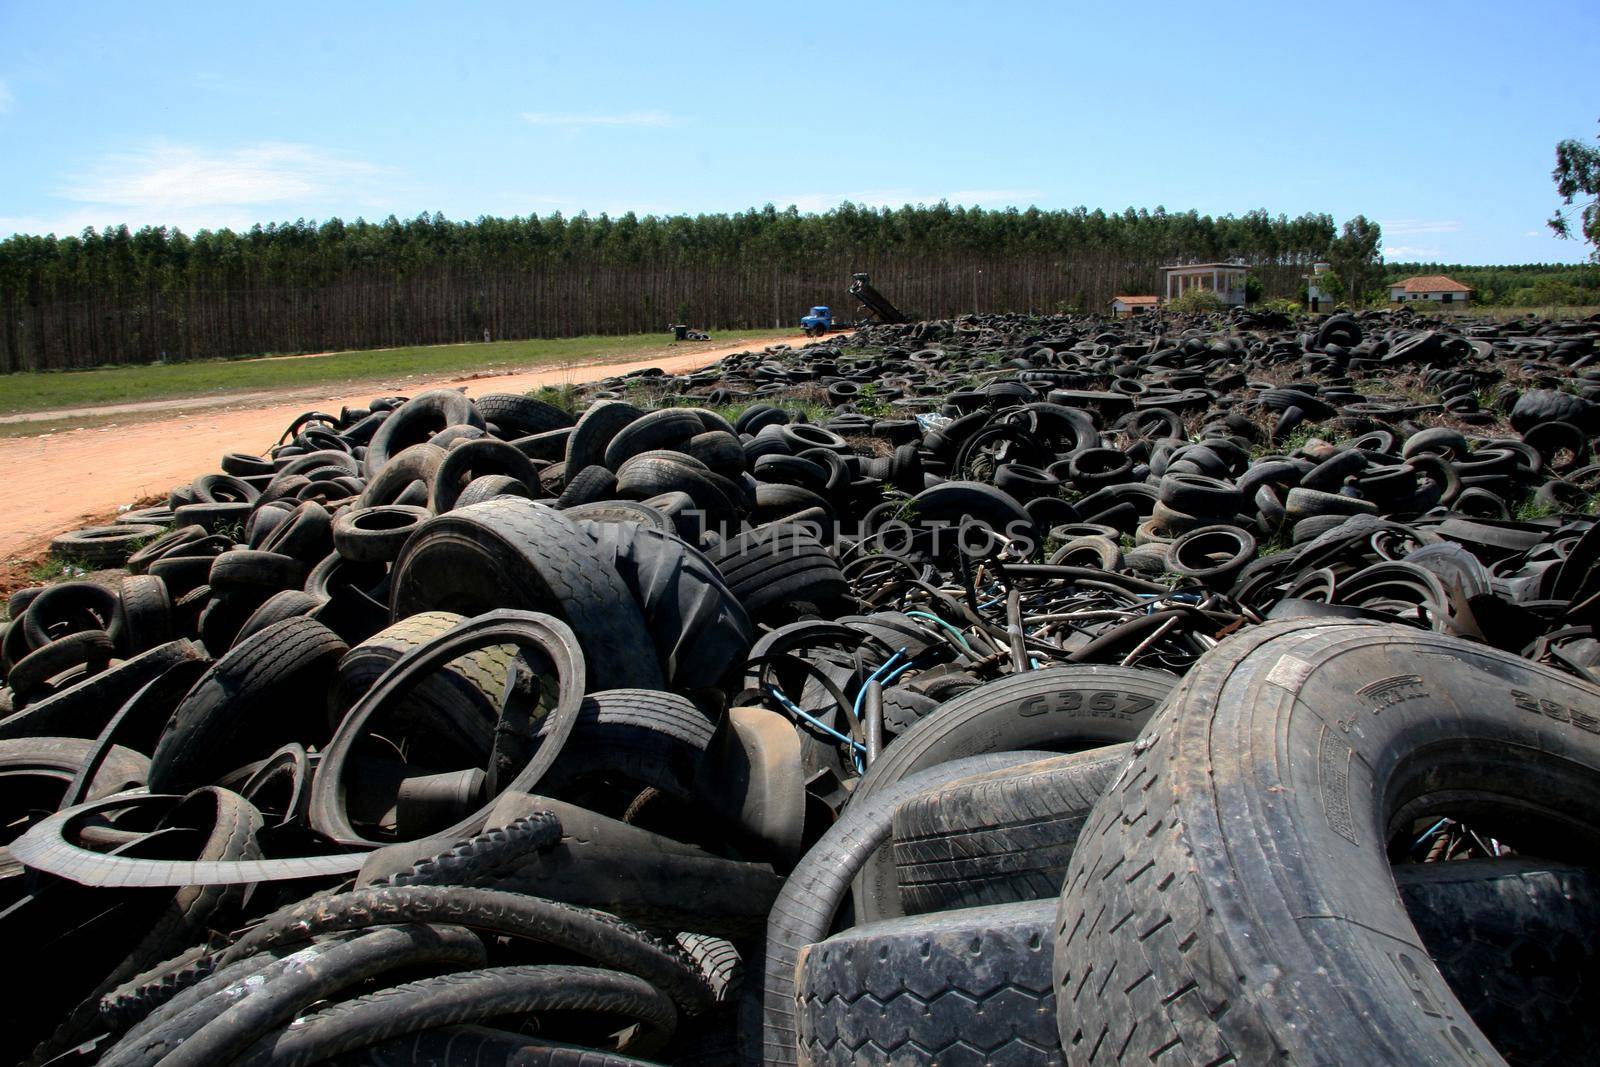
777	502
1212	555
156	1012
271	1000
643	877
144	615
287	604
1514	938
480	856
957	502
473	458
103	546
226	831
700	630
225	614
805	909
754	783
89	649
625	511
516	554
1308	503
543	641
998	838
1067	708
243	464
415	421
1275	778
37	770
270	689
666	428
1552	405
252	570
457	705
470	996
397	480
306	534
375	534
481	1046
521	416
68	608
593	432
173	542
495	485
632	739
1200	496
223	489
646	476
772	568
215	518
583	933
718	449
591	484
904	707
718	962
246	998
83	709
962	986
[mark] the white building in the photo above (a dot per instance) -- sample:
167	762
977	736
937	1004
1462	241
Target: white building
1317	299
1435	287
1131	305
1224	279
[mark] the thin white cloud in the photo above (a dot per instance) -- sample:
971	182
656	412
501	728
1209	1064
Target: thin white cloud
175	177
193	189
630	118
1418	227
7	101
1536	233
1412	253
66	224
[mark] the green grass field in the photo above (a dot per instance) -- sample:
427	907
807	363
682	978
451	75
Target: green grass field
48	390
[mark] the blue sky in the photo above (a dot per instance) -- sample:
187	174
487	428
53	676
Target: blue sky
1439	120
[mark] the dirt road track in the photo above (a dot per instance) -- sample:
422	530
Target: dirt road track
61	481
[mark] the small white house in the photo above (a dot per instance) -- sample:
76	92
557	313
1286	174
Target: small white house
1224	279
1133	305
1317	299
1434	287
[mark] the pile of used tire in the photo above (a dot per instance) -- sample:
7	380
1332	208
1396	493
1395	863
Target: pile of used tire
998	690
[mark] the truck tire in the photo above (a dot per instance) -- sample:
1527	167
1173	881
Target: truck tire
968	986
1072	707
1234	899
1515	938
1001	837
510	553
806	907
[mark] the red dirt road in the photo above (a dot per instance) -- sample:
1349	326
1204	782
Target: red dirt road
61	481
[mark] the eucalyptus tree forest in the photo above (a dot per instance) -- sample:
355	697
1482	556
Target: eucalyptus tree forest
154	294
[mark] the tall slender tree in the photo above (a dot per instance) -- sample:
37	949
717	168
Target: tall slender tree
1577	178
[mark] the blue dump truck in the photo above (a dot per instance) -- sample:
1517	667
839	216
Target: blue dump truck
818	322
874	305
